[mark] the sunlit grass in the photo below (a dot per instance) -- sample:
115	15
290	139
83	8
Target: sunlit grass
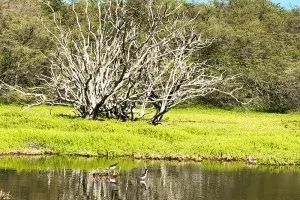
196	132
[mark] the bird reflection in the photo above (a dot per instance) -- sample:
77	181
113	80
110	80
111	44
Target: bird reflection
114	187
112	181
143	185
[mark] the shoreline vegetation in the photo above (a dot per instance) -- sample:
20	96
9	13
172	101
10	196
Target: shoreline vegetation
193	133
96	164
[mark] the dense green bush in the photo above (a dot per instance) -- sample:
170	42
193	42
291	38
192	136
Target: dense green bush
254	38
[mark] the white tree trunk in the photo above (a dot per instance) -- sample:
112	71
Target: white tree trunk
109	63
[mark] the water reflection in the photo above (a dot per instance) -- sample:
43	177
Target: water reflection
165	181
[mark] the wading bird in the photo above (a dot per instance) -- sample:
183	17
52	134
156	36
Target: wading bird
112	167
144	175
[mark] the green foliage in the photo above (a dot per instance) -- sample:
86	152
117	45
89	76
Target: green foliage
196	132
22	38
255	38
258	40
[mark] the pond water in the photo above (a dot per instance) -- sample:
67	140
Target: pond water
47	178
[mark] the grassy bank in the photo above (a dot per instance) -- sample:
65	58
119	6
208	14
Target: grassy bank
188	133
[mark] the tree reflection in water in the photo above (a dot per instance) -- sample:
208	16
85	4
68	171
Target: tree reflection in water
164	182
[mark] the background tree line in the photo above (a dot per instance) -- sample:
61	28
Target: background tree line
254	38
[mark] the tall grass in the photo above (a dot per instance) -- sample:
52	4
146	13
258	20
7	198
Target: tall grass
188	133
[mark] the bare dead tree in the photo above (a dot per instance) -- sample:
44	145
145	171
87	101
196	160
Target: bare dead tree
98	58
176	77
111	64
179	82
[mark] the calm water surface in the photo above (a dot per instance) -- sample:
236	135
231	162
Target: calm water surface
72	179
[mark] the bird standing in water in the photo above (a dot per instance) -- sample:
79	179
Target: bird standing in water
144	175
112	167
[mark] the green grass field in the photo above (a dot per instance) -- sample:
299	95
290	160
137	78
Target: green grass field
187	133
